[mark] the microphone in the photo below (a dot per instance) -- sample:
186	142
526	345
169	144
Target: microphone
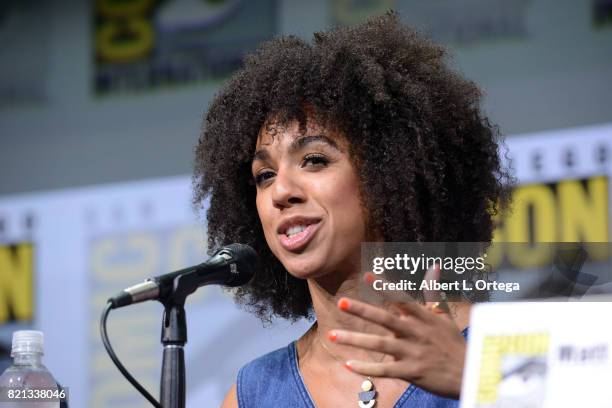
231	266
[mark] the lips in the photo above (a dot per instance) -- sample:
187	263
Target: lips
297	240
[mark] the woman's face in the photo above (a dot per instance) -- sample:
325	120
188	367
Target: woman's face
308	199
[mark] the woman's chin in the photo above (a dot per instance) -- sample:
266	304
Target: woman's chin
303	273
305	269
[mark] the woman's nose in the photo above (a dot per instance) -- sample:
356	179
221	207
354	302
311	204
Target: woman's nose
286	190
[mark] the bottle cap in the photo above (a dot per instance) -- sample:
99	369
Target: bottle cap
27	341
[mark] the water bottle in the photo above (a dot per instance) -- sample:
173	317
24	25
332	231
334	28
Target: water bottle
27	383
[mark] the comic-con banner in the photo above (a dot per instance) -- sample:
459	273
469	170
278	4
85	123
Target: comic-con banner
562	194
540	355
147	44
62	254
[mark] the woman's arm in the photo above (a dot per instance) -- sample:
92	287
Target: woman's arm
231	400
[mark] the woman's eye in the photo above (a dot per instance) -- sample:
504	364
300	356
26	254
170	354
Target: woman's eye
263	176
315	160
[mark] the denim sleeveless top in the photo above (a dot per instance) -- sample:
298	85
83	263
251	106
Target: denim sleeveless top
274	380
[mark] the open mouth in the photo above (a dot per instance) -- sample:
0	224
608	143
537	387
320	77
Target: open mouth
296	234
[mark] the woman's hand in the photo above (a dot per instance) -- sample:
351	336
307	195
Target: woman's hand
428	348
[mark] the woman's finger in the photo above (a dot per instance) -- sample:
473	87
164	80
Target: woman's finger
383	317
435	299
374	342
432	277
397	300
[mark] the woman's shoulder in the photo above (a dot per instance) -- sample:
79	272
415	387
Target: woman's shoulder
273	358
262	381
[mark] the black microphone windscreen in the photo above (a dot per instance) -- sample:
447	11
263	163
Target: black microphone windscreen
246	259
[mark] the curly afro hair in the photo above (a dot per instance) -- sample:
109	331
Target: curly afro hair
426	155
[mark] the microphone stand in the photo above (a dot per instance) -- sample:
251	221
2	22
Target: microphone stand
173	339
172	290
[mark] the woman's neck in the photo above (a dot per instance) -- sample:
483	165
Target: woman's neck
325	293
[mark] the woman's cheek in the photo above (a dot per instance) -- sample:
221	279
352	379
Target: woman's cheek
346	203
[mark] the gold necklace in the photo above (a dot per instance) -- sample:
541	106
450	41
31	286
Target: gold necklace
367	396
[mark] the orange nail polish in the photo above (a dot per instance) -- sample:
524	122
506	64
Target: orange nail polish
347	365
344	304
333	336
369	278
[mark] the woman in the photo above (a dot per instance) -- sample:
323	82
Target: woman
312	149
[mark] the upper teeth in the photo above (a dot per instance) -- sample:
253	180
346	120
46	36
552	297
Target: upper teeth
295	230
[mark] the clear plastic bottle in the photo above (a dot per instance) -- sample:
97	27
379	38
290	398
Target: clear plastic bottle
27	371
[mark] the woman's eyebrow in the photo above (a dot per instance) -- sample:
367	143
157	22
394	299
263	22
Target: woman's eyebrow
261	154
297	144
302	142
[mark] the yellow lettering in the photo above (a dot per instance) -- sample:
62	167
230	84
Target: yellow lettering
16	282
123	260
541	201
124	41
117	262
584	213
